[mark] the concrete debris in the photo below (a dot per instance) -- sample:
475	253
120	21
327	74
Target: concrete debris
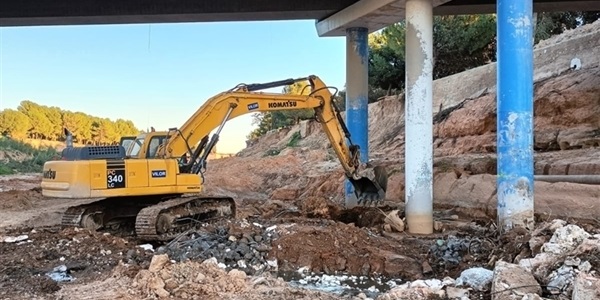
454	293
60	274
586	287
565	239
452	249
478	278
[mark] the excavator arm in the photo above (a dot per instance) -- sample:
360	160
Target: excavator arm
192	138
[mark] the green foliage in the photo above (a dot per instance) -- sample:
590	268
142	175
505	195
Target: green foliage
32	120
14	123
295	139
460	43
553	23
386	62
33	164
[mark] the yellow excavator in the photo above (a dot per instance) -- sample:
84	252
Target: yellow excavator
154	181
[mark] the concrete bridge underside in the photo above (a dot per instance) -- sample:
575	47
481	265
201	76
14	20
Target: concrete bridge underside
332	16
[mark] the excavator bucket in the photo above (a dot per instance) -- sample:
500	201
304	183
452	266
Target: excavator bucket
372	186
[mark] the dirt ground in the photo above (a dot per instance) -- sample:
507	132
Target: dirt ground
333	241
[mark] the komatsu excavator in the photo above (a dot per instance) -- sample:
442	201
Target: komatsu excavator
155	183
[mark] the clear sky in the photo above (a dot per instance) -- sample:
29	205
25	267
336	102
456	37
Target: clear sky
159	74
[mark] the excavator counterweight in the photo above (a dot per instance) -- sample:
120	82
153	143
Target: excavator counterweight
154	181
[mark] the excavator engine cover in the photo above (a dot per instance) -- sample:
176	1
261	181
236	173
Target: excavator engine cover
372	186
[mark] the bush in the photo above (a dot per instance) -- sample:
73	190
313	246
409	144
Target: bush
294	140
31	165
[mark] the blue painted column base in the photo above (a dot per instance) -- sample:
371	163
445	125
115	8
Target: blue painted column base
515	114
357	89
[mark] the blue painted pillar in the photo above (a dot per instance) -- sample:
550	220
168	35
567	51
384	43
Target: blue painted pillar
419	117
357	89
515	114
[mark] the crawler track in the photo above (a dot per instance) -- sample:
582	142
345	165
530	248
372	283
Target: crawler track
166	220
152	218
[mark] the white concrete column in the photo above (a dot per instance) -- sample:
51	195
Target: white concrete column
419	116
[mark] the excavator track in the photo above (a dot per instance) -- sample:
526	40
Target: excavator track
152	218
107	213
165	220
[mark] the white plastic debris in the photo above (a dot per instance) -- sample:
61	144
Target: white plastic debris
272	263
146	247
14	239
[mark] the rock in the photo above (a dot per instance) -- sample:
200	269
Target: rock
210	261
586	287
540	265
511	280
158	262
284	194
200	278
417	290
426	268
565	239
560	280
454	293
477	278
587	246
236	274
403	266
157	285
304	128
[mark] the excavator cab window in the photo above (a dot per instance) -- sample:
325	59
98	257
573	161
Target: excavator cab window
135	147
155	141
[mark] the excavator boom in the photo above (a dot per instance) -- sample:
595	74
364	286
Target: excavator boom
244	99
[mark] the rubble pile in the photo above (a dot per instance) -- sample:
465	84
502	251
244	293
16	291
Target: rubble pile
564	266
166	278
245	248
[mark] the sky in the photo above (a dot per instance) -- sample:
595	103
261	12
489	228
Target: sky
159	74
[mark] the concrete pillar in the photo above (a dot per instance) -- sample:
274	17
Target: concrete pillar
515	114
419	116
357	89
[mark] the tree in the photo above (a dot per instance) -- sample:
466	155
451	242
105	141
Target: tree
552	23
386	62
14	123
41	127
459	43
43	122
462	43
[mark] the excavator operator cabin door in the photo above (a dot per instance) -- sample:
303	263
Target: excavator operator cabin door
163	172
